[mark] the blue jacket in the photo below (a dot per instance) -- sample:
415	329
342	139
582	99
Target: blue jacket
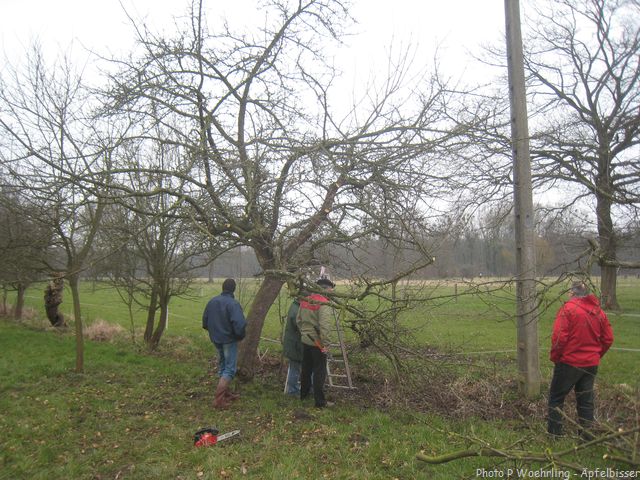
224	320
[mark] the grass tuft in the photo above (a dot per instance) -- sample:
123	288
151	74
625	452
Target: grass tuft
103	331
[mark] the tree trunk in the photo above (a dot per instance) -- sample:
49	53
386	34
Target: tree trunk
17	314
248	352
74	282
4	301
608	283
162	324
608	247
151	315
52	299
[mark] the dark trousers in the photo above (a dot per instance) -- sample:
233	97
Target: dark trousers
314	363
565	378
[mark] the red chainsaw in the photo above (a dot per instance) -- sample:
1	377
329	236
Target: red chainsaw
209	436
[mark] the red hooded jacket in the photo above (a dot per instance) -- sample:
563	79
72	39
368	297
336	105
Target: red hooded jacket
581	333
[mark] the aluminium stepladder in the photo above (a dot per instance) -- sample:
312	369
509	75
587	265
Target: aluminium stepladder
338	371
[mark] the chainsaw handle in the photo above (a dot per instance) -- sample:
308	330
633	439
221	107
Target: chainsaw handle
317	343
211	430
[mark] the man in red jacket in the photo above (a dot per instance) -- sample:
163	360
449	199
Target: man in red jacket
581	336
314	323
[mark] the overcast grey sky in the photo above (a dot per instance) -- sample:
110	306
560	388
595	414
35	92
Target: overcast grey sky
455	25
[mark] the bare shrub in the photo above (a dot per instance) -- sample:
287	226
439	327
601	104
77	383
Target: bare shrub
31	315
103	331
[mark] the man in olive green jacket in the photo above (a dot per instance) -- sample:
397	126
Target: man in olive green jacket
314	322
292	349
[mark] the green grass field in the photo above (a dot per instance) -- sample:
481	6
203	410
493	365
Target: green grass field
132	414
474	324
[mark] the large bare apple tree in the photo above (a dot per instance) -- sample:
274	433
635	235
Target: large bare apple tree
275	155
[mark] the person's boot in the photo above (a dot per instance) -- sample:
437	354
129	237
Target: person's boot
231	395
554	423
221	401
585	429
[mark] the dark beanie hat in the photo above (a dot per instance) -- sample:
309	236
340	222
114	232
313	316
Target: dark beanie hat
229	285
579	289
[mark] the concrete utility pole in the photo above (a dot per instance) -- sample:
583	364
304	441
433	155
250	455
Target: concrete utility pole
526	310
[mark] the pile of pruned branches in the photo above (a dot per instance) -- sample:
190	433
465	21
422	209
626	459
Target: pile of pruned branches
432	385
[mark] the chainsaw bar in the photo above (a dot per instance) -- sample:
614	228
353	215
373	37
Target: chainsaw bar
224	436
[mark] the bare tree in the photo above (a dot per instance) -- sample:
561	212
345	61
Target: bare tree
23	246
45	113
151	249
275	162
583	62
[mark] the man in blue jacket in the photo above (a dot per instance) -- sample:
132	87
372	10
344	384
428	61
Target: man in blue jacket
225	322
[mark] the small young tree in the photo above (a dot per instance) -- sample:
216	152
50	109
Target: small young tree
151	248
45	111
